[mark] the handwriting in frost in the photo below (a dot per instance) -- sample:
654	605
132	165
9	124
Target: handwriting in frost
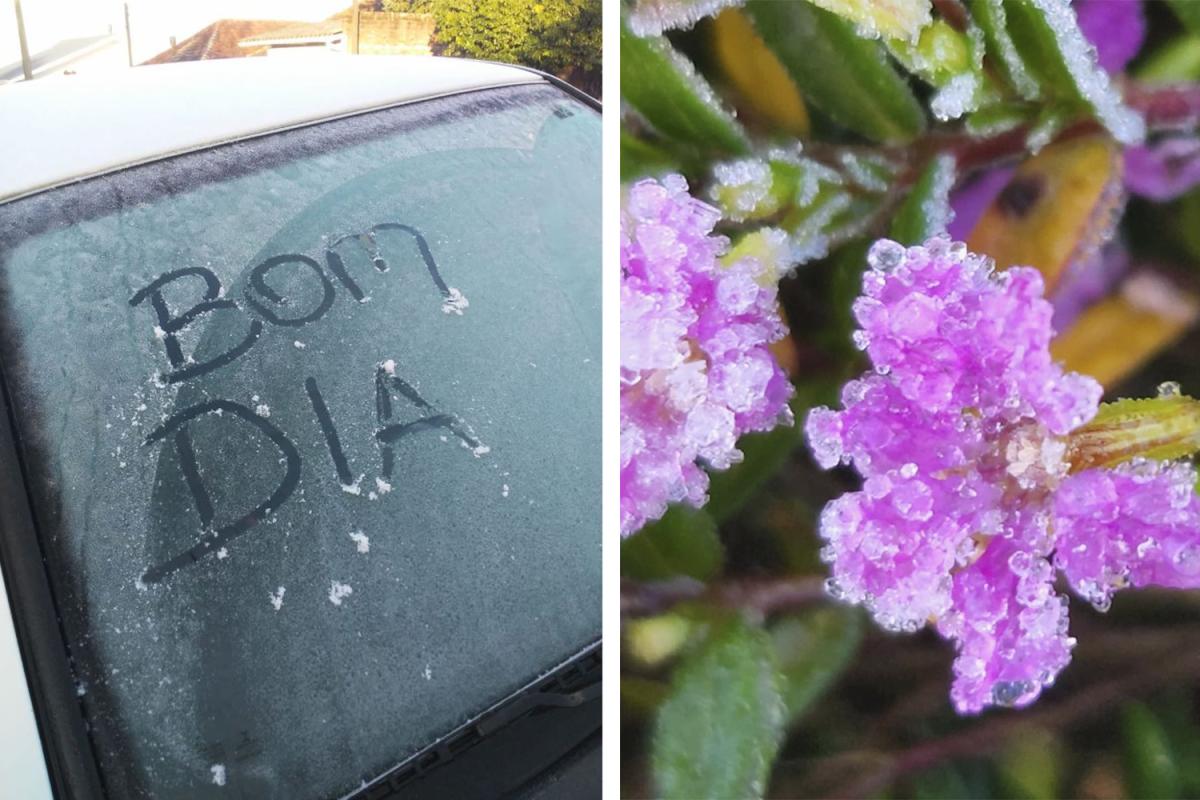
266	306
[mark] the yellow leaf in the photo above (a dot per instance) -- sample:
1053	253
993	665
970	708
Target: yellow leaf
1120	333
764	88
1059	207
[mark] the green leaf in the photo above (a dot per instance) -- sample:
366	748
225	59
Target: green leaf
683	542
663	86
639	158
1063	62
1188	12
992	19
764	454
640	697
812	650
845	75
1150	768
718	731
1174	62
1029	766
926	210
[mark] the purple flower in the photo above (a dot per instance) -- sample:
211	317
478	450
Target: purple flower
1116	28
1164	170
696	371
969	503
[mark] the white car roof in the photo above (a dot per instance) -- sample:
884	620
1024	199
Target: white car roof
58	130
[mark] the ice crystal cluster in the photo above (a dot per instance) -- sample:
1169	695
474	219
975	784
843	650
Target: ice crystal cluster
970	504
696	371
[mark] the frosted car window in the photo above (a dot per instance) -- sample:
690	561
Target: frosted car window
311	425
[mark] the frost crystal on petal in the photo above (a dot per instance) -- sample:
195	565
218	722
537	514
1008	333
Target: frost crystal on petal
696	369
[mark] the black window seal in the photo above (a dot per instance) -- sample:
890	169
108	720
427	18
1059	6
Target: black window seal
67	748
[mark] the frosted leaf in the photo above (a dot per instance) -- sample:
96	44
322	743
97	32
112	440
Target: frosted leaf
740	187
652	17
902	19
935	207
993	17
867	171
1092	82
955	97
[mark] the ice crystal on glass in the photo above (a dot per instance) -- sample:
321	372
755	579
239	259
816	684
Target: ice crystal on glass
696	369
969	504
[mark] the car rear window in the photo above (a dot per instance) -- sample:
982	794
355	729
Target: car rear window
311	428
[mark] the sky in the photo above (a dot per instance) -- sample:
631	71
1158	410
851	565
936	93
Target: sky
151	22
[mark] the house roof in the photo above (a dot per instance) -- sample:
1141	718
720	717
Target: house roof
218	40
299	31
152	112
64	51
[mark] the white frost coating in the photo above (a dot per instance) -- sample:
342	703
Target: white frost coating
263	410
936	208
1093	83
354	488
361	542
223	553
277	598
427	673
389	366
699	86
455	302
218	774
1044	131
299	345
1023	82
504	490
867	172
159	333
339	592
778	250
382	486
811	178
907	16
652	17
740	186
956	97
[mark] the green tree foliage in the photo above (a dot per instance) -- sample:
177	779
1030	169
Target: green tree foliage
562	37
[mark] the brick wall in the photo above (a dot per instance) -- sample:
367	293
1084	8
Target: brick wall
393	33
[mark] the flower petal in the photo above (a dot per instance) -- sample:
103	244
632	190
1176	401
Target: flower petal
1010	629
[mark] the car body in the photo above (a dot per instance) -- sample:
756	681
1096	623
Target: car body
318	338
